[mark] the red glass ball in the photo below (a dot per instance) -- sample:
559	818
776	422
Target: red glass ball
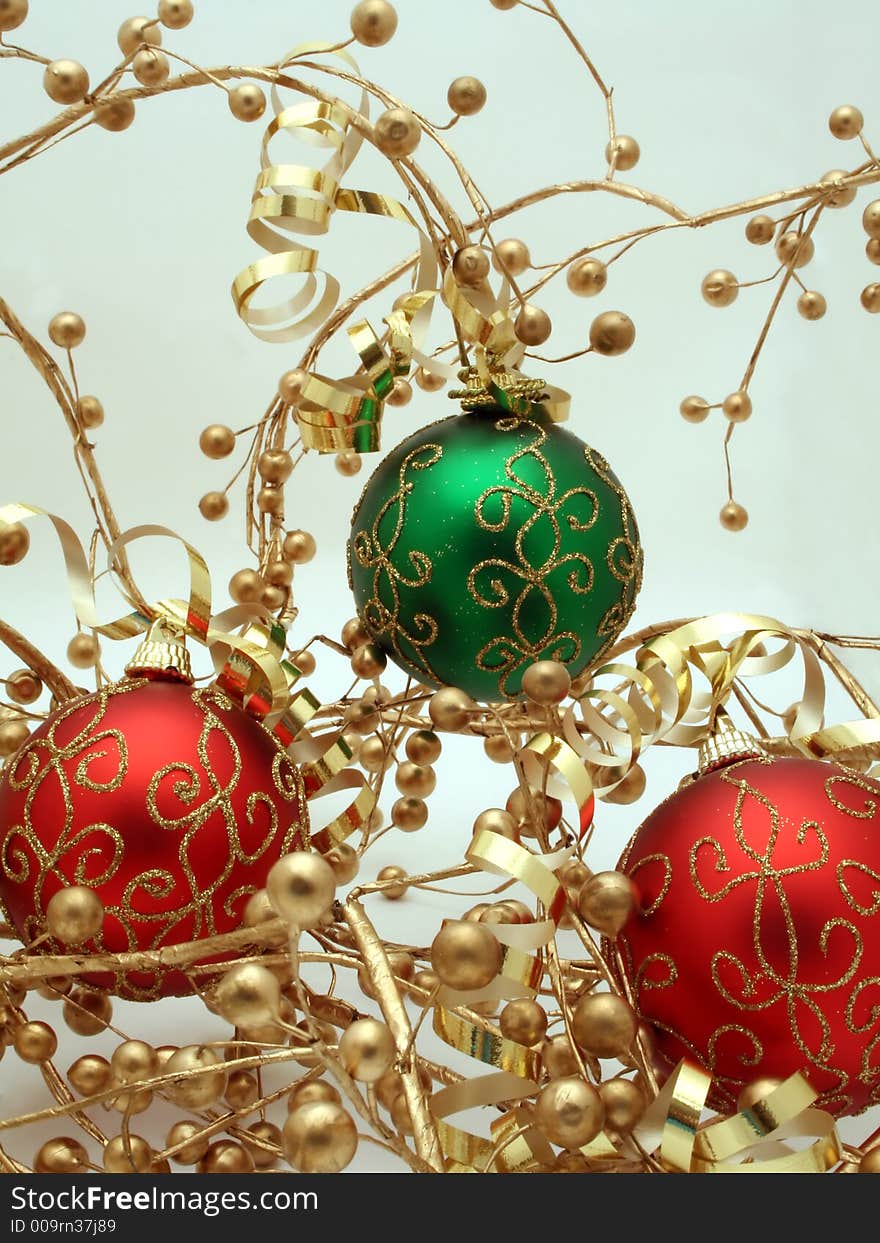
756	948
167	800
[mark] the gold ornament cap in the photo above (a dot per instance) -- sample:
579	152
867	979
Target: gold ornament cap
476	394
726	744
161	655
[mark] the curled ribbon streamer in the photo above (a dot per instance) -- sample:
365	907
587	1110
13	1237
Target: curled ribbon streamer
278	209
192	616
546	751
250	667
747	1143
483	320
291	199
349	821
514	1066
294	199
657	700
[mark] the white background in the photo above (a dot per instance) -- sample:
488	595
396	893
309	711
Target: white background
142	233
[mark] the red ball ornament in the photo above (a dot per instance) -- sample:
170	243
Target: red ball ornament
167	800
756	948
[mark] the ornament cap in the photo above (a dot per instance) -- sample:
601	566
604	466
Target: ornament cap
161	655
725	744
477	395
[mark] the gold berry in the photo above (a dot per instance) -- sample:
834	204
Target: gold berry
532	325
604	1024
811	304
90	411
870	298
35	1042
114	114
401	393
719	287
841	196
466	96
470	266
14	543
83	651
760	230
23	686
348	464
871	219
373	22
423	747
612	333
65	81
175	14
846	122
587	277
290	386
246	587
217	441
694	409
737	406
67	330
301	888
214	505
137	31
466	955
429	381
275	465
74	914
397	133
410	813
627	151
794	249
393	879
511	257
151	68
299	547
247	101
734	517
12	14
570	1112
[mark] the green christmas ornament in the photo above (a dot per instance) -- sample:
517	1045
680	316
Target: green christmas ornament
488	541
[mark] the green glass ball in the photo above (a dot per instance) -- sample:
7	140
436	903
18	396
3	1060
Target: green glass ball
486	542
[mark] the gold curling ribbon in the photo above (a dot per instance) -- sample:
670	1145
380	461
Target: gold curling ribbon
546	751
250	666
296	199
484	321
293	199
514	1067
750	1142
259	648
290	200
657	700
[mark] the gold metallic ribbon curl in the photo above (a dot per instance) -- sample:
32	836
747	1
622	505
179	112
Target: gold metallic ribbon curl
514	1143
292	201
296	199
658	698
750	1142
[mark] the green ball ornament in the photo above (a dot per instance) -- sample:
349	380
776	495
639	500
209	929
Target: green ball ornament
488	541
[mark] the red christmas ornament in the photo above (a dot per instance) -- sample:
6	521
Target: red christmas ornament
168	801
756	950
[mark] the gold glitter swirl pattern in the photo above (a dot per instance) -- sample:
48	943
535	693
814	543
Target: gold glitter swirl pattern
495	580
373	554
624	558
